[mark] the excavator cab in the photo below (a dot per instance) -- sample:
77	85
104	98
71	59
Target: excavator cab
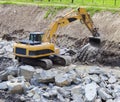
36	36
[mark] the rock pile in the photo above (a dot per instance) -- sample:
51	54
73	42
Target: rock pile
57	85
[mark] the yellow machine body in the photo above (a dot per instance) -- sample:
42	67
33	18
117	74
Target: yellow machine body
37	51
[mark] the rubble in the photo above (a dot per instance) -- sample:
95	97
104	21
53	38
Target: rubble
75	83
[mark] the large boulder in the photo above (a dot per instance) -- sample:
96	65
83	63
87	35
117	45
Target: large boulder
16	85
27	71
45	76
91	92
63	79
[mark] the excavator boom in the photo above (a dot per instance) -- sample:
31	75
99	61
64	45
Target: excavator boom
81	15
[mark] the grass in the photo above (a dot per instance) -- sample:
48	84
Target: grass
92	6
100	3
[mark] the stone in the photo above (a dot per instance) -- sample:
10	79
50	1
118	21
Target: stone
72	75
8	71
45	76
77	99
30	94
3	86
10	77
98	100
3	75
103	94
16	85
36	96
116	91
76	90
22	98
112	79
87	80
117	99
27	71
103	77
77	94
50	94
109	100
91	92
103	84
96	70
60	97
62	79
64	92
12	70
95	78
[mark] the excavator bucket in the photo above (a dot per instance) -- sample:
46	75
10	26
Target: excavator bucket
95	41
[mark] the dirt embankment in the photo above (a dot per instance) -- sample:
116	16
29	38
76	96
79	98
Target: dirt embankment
19	20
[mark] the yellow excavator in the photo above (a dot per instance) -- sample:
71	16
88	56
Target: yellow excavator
41	49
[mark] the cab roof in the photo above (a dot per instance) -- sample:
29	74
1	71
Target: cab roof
37	33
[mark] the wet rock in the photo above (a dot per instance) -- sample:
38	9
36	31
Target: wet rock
112	79
45	76
62	79
103	94
91	92
3	86
27	71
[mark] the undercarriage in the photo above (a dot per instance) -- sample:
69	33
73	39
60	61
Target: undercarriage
46	62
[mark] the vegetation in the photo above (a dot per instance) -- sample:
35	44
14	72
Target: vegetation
92	6
103	3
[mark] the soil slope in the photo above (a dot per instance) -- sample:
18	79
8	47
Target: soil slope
32	18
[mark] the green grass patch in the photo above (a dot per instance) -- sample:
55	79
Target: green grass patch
51	11
98	3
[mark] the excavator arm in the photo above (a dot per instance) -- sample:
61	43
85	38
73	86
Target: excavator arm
81	15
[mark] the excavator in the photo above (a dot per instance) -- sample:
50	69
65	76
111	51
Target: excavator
41	49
